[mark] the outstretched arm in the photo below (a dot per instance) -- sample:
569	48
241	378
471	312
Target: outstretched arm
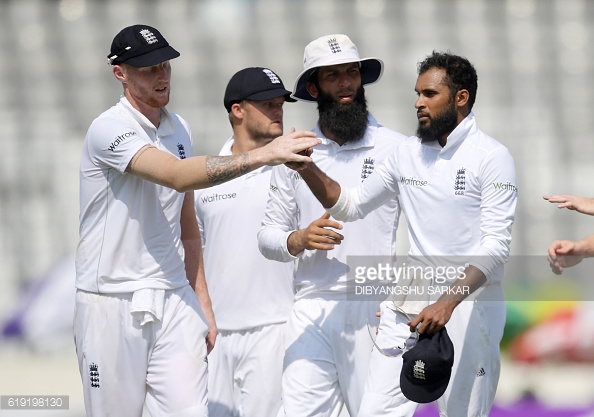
572	202
322	186
566	253
198	172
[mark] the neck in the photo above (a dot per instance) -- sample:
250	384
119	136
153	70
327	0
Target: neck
332	136
244	143
153	114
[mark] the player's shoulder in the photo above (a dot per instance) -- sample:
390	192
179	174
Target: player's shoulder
114	121
388	139
483	142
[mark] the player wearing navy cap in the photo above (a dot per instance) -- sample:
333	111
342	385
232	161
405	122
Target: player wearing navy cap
251	295
327	341
142	307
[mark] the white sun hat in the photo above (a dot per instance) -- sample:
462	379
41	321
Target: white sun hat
332	50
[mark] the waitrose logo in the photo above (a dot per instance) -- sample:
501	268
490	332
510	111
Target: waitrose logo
120	139
505	186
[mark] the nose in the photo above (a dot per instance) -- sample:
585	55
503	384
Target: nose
419	103
344	80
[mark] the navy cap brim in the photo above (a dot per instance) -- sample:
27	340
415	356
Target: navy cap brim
270	94
153	57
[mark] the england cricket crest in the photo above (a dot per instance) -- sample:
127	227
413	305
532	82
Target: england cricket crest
367	168
460	183
94	375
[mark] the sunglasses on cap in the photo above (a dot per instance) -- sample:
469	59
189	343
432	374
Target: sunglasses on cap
405	346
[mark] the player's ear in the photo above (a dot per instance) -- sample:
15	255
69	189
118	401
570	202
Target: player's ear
119	73
311	89
237	111
461	98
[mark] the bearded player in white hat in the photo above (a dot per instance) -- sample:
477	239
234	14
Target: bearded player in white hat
327	341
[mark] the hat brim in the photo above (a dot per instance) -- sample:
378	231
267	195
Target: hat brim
270	94
153	57
371	72
423	393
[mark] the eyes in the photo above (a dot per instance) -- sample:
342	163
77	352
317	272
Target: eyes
333	74
163	66
273	104
426	93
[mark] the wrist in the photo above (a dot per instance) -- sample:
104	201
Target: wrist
294	243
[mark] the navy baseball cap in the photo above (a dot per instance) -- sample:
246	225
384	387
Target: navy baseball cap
254	83
140	46
427	367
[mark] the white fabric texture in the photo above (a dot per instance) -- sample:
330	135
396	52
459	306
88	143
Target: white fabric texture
123	218
246	289
123	364
147	305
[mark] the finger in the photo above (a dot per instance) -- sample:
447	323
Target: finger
327	233
323	224
325	240
415	322
322	246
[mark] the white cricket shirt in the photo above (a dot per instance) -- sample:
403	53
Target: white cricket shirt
247	290
292	206
129	228
459	200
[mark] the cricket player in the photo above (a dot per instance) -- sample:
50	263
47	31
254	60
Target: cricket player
458	190
251	295
143	323
327	341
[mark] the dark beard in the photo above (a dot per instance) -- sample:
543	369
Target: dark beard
441	124
347	122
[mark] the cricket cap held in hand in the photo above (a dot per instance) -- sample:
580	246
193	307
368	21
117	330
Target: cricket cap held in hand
427	367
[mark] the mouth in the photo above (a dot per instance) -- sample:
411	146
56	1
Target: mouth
346	97
162	89
423	117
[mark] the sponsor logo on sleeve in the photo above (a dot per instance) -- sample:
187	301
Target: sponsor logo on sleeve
273	188
120	139
505	186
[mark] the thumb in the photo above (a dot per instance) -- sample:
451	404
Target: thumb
325	216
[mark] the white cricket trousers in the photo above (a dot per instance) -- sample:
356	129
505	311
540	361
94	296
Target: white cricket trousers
244	376
475	328
327	350
122	364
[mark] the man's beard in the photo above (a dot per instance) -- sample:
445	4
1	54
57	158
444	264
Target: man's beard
441	124
347	122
